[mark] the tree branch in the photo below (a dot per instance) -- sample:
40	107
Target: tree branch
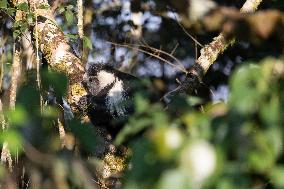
250	6
208	56
59	54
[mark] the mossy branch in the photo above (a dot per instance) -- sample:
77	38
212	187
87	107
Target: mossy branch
208	55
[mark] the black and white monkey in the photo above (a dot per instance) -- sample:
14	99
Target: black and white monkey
110	96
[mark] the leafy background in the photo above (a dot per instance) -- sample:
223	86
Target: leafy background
229	134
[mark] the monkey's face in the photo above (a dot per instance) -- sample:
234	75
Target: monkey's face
106	87
99	82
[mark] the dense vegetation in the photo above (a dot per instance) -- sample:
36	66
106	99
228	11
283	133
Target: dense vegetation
227	134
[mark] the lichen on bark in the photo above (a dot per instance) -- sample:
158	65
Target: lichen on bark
59	55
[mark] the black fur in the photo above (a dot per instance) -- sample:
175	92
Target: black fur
98	111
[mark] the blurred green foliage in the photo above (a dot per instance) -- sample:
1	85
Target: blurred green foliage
227	145
238	144
190	144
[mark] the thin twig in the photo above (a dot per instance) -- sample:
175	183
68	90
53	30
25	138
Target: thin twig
37	56
80	18
186	32
174	49
160	51
3	41
208	55
151	54
62	134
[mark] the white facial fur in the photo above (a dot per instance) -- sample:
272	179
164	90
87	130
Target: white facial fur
115	96
115	99
105	78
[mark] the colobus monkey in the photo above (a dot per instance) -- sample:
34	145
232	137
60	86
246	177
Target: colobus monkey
110	96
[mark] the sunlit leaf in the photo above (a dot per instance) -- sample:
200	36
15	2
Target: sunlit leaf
87	42
245	94
166	141
14	140
61	9
11	11
44	6
261	156
270	111
23	7
174	179
50	111
72	36
30	18
69	16
134	127
16	33
192	100
277	175
18	116
69	7
3	3
141	104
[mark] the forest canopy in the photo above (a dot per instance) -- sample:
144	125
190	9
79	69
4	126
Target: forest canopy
142	94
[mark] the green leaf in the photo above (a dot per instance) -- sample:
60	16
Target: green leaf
135	126
69	16
72	36
146	168
193	101
11	11
70	7
245	94
57	81
277	175
17	24
30	18
29	97
24	27
3	3
20	24
18	116
50	112
87	42
14	140
44	6
173	179
23	7
16	33
262	155
61	9
270	111
141	104
86	135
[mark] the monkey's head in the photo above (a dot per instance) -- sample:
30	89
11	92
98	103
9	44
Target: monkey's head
98	78
109	88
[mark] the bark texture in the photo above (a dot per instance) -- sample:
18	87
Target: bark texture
59	55
250	6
